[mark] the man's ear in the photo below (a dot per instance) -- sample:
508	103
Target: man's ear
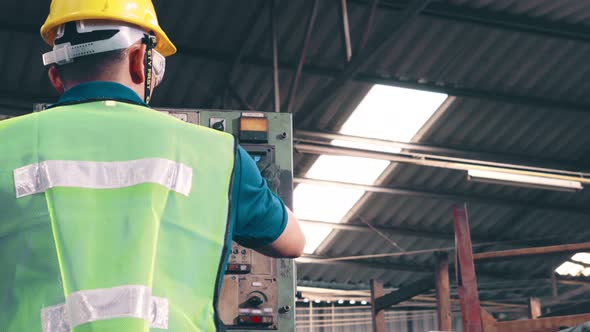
136	63
56	82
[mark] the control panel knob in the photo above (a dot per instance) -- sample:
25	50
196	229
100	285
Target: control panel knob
219	125
254	301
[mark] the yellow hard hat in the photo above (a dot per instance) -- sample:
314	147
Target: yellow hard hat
137	12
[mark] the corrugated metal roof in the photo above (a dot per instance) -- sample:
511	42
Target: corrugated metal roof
446	52
471	55
570	11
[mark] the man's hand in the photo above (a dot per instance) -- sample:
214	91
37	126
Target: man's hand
271	173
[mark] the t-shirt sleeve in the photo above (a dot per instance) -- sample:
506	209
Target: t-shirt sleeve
261	216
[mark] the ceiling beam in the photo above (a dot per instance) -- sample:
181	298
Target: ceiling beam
405	293
484	272
325	137
583	306
487	239
450	196
382	265
451	89
495	19
528	252
440	161
405	231
542	324
456	90
430	251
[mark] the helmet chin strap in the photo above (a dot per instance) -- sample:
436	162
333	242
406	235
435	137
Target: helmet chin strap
150	42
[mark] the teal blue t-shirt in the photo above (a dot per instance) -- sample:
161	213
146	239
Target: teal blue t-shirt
257	216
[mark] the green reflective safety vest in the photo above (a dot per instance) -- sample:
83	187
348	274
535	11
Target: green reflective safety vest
113	217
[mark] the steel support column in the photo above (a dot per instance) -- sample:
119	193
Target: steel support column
343	15
275	56
465	269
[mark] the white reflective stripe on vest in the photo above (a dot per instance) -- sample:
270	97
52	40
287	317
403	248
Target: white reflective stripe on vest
101	304
37	178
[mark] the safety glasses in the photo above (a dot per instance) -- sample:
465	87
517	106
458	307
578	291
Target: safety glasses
158	67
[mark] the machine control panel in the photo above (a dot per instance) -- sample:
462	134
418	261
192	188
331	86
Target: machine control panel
251	283
258	292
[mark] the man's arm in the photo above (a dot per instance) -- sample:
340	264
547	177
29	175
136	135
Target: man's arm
263	222
290	243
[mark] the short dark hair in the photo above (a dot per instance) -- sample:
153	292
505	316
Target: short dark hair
90	66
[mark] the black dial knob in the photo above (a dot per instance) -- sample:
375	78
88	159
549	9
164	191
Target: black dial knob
254	301
220	125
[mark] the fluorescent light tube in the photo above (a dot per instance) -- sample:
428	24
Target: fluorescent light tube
528	181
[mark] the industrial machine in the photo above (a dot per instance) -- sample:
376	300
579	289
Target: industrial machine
258	292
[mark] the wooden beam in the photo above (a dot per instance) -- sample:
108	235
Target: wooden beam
535	307
537	251
550	324
570	308
377	316
422	298
465	269
489	322
443	292
405	293
565	296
